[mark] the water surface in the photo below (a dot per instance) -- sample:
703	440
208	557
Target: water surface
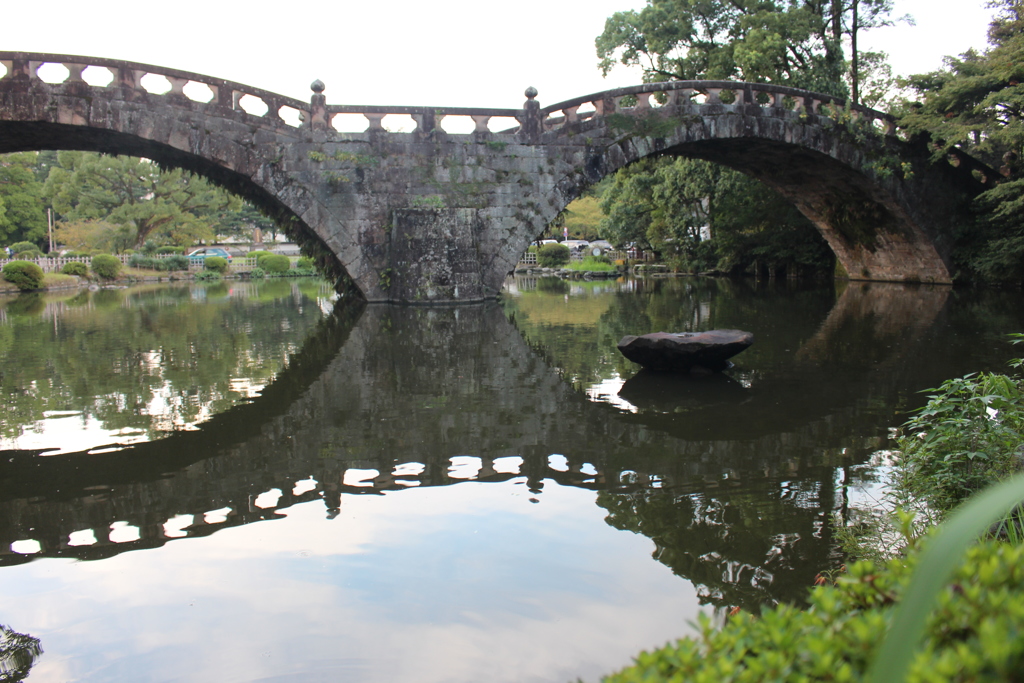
263	483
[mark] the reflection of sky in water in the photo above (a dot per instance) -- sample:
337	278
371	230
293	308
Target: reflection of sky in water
459	583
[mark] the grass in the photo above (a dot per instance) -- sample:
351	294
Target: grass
591	264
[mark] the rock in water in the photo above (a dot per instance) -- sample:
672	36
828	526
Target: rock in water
694	352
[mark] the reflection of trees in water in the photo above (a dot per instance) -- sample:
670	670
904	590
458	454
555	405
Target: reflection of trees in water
743	545
18	654
110	354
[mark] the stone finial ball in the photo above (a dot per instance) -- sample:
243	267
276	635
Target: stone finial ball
531	92
317	86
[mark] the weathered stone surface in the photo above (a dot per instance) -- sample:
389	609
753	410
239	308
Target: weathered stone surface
693	352
363	200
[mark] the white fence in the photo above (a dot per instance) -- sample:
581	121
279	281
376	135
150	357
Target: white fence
55	264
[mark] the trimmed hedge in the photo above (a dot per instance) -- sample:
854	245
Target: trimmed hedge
106	266
274	263
552	255
974	634
23	274
75	268
217	264
175	262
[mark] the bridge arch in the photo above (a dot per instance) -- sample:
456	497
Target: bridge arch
222	143
879	201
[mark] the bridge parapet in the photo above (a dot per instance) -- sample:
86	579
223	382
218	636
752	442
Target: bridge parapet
138	81
774	100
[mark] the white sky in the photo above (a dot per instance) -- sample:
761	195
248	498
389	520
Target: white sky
441	53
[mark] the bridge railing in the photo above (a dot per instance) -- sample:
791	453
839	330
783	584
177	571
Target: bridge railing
137	81
637	99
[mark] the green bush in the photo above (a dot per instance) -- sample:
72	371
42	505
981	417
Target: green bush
174	262
257	273
218	264
305	263
77	254
19	247
29	254
207	276
170	250
274	263
599	264
552	255
969	435
23	274
106	266
259	254
972	636
75	268
302	272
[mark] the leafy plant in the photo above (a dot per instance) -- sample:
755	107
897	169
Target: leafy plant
257	273
968	637
274	263
969	435
106	266
75	268
207	276
217	264
314	155
19	247
23	274
552	255
597	264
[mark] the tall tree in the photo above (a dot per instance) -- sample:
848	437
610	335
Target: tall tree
22	209
136	195
977	104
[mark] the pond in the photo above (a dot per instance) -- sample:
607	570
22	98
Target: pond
262	482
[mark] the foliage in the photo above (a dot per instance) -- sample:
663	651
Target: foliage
217	264
106	266
596	264
23	274
75	268
207	276
305	263
552	255
663	205
29	254
274	263
969	435
582	218
21	247
837	636
259	254
977	104
22	214
172	262
170	250
136	196
257	273
789	43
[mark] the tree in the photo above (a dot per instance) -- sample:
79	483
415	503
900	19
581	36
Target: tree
22	210
777	41
976	104
136	195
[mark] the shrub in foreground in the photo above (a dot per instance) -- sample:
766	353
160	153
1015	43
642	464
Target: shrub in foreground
217	264
552	255
75	268
106	266
274	263
972	636
23	274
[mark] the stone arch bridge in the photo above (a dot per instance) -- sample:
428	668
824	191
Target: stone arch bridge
434	217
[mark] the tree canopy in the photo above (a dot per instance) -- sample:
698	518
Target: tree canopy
22	209
789	42
136	196
976	103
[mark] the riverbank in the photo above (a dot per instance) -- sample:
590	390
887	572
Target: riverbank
129	276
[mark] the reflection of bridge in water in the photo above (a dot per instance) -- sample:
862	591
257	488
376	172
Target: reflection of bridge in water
361	410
